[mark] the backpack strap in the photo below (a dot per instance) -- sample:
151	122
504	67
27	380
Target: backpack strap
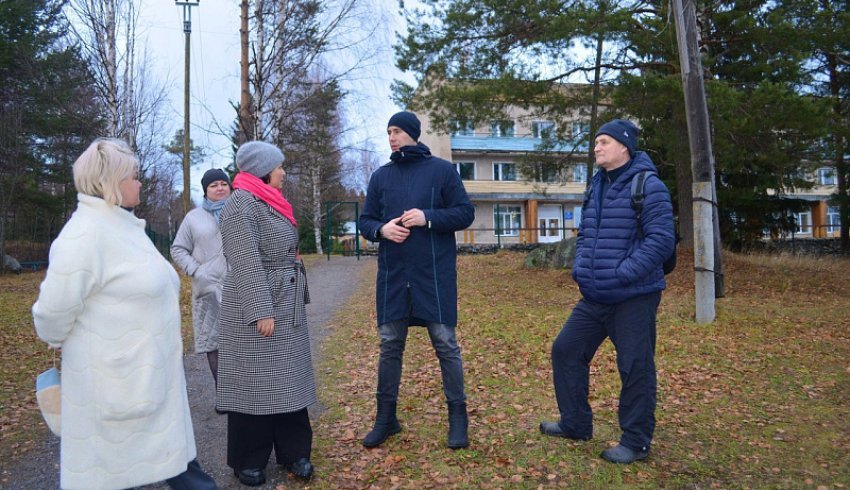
638	192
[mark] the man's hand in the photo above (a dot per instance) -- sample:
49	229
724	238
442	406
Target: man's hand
413	217
394	231
265	327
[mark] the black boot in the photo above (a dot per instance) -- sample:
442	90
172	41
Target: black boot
458	424
386	424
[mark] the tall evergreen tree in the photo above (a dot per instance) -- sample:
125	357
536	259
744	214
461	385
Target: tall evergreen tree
47	116
764	130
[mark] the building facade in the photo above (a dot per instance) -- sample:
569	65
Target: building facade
821	220
516	200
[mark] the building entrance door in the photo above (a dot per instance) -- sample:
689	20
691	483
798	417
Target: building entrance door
549	223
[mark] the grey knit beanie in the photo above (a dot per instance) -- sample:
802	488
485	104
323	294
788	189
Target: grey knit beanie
258	158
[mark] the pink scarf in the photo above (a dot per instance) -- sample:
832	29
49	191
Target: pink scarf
265	193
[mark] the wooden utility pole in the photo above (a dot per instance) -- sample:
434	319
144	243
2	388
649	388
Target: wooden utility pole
245	98
702	159
187	30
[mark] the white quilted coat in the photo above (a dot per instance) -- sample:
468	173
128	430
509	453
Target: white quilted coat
110	300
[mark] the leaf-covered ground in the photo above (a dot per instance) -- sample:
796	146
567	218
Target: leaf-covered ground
760	398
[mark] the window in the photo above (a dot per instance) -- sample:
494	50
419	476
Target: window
549	173
466	170
580	130
804	223
504	171
833	219
543	172
580	174
542	129
502	129
507	220
826	176
461	128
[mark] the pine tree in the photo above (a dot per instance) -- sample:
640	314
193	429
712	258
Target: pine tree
48	116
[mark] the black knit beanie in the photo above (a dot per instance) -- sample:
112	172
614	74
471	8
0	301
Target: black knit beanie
213	175
623	131
407	122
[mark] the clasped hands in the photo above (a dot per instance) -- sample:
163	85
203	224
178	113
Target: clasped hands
398	229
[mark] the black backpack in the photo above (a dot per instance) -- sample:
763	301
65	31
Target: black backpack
638	191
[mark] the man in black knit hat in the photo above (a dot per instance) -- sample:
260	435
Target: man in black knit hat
618	267
414	206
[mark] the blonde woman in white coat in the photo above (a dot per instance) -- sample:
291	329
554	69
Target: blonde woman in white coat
110	301
197	251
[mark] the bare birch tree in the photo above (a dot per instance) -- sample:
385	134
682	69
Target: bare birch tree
134	102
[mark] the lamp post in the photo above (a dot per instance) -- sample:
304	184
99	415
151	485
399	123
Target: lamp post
187	30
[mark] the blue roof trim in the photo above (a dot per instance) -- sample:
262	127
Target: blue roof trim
514	144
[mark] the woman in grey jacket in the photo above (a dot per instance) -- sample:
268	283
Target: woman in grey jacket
197	251
265	377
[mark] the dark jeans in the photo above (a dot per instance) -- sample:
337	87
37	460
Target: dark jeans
393	341
631	327
194	478
250	438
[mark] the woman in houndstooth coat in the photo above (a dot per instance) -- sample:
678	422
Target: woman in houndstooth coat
266	379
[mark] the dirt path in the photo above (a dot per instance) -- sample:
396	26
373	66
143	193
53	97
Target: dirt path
331	284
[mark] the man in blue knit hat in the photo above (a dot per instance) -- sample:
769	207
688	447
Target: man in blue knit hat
414	205
618	267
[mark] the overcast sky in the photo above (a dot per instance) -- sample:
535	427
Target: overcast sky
214	75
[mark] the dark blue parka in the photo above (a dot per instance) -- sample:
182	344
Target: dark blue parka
417	279
612	262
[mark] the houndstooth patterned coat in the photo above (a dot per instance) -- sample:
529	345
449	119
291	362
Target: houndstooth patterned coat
262	375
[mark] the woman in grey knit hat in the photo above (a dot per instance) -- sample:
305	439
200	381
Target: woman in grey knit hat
265	379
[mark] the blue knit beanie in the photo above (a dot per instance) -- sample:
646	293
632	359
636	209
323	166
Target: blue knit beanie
407	122
623	131
213	175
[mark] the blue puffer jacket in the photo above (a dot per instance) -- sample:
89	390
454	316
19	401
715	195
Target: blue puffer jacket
417	279
612	264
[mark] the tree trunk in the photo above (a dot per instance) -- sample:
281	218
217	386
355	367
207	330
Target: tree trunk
315	183
128	106
594	107
259	71
245	98
685	192
111	67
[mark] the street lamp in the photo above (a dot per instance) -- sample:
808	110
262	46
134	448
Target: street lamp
187	30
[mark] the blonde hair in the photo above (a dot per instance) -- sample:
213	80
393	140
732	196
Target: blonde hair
101	168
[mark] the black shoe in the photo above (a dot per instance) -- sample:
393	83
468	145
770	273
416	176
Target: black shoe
302	469
622	455
253	477
554	429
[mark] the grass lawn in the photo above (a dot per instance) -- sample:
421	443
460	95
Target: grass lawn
758	399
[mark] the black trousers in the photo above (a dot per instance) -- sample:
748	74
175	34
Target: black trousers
251	438
631	327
